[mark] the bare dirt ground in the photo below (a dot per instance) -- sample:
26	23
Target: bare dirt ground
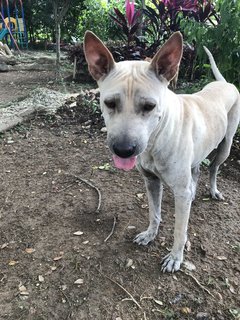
58	258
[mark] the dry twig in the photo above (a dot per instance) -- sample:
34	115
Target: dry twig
198	283
125	290
113	228
92	186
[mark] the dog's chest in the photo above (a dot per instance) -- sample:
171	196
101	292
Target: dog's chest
148	163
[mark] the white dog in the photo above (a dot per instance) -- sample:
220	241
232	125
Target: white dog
166	135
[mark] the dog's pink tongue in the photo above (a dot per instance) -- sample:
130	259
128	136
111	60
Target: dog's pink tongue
124	163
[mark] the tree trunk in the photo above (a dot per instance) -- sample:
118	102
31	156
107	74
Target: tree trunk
58	16
58	49
58	38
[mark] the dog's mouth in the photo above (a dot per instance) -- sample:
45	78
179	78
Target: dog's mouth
124	163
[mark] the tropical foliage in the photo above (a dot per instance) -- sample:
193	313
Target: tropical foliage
222	38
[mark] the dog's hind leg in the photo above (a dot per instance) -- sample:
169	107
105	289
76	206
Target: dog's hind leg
195	176
223	149
154	188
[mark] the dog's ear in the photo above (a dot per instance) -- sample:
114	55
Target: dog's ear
99	58
166	61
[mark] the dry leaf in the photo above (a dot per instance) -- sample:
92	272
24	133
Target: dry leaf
129	263
12	262
61	253
30	250
188	246
219	296
160	303
22	288
64	287
231	289
221	258
79	281
186	310
4	245
53	268
57	258
24	293
78	233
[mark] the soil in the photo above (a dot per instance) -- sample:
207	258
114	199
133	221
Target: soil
61	258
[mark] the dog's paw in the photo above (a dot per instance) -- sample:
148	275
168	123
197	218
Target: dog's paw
145	237
215	194
170	263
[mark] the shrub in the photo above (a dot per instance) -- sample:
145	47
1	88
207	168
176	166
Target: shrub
221	37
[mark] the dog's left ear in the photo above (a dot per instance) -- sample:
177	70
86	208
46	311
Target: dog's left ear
99	58
166	61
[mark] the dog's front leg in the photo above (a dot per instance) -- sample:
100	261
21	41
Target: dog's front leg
154	188
173	260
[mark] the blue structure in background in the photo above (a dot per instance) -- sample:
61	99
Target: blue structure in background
12	24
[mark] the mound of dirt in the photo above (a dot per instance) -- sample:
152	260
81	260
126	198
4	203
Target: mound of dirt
39	100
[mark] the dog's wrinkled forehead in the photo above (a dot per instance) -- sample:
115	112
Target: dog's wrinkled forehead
129	79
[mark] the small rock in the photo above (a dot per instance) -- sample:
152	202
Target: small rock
104	129
189	265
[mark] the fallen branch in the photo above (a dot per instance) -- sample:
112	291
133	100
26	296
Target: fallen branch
113	228
198	283
125	290
92	186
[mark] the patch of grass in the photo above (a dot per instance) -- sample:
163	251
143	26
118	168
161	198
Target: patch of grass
236	247
20	128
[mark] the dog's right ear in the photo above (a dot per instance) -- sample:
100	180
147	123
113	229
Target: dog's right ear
99	58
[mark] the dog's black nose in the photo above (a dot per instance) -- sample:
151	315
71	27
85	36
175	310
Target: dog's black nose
124	150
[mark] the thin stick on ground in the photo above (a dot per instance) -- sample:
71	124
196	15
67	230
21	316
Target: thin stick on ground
92	186
113	228
198	283
125	290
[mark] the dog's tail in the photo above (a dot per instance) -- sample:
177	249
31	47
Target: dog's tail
214	67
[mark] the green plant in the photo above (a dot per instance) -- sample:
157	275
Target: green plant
221	37
235	313
95	17
129	22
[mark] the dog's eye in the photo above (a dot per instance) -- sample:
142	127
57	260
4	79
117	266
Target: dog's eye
148	107
110	104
